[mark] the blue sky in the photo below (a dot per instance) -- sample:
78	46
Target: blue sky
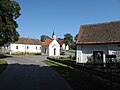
41	17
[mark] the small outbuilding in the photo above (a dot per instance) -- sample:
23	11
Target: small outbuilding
98	41
63	46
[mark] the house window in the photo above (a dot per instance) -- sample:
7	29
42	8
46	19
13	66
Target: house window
16	47
36	47
27	47
40	48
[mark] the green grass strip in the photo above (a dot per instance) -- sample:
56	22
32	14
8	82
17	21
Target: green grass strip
3	65
53	63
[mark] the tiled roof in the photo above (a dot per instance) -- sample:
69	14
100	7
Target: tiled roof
47	42
28	41
99	33
61	43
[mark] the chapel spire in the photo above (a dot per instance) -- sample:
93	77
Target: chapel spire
53	35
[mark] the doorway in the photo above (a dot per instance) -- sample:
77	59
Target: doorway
45	50
54	51
98	57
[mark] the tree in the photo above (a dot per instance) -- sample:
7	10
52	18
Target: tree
68	39
43	37
75	38
9	11
60	39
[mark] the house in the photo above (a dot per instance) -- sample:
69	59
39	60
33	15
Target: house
67	47
63	46
23	45
98	42
51	47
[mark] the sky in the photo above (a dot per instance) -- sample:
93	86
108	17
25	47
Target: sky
42	17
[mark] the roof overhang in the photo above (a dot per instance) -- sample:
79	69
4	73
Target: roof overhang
94	43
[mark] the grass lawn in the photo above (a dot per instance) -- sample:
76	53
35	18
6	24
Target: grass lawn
3	65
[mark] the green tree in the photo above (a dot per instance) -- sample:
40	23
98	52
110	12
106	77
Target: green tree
68	39
75	38
9	11
60	39
73	46
43	37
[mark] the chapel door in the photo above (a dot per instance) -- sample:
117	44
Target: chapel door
54	51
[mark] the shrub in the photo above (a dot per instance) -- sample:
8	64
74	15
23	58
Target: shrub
70	57
74	57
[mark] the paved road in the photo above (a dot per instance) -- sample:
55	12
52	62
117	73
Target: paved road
29	73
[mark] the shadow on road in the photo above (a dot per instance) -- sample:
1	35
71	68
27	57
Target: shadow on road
80	80
31	77
36	77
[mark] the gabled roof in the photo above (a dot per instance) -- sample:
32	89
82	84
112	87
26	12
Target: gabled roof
99	33
28	41
47	42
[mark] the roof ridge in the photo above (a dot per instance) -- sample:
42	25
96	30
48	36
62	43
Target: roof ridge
94	24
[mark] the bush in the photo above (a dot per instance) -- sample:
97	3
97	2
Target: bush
74	57
61	58
70	56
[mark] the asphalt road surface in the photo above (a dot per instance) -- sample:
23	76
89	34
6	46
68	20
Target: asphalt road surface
29	73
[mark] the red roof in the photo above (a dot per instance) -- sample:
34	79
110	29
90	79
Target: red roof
28	41
47	42
61	43
99	33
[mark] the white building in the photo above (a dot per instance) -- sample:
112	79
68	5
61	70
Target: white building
63	46
98	41
51	47
67	47
24	45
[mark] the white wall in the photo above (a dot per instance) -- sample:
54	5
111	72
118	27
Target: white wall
63	46
23	48
43	50
67	47
83	51
54	44
79	54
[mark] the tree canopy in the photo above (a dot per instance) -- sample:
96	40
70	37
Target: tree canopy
9	11
68	39
60	39
75	38
43	37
